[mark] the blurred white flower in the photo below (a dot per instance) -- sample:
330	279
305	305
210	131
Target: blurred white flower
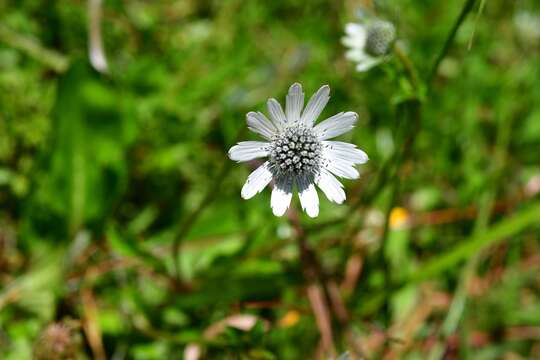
96	52
299	152
369	42
527	24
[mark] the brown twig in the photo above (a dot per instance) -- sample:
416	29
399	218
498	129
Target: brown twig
319	306
315	292
90	324
323	293
353	270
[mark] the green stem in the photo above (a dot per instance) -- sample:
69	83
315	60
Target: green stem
394	192
459	302
467	7
408	65
55	60
183	229
189	220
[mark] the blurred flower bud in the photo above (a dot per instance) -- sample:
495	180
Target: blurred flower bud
58	341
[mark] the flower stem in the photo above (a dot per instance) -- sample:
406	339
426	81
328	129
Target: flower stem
467	7
323	294
408	65
190	219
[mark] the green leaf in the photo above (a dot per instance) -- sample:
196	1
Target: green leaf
84	171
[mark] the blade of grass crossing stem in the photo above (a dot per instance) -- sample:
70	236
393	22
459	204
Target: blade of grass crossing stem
476	19
518	222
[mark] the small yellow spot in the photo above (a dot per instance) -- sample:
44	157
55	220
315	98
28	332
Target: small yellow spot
399	218
289	319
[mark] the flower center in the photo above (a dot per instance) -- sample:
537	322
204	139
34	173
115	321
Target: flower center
295	151
380	35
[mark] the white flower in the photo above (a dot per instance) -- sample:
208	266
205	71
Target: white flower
528	25
369	42
299	152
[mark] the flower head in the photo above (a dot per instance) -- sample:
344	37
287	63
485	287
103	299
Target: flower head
299	152
369	42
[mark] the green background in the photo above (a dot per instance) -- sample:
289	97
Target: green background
103	177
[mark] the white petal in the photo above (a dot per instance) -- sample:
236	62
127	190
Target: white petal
358	55
331	187
294	103
356	36
368	63
257	181
336	125
354	42
248	150
308	197
340	167
281	196
355	29
351	42
276	113
258	123
316	105
345	151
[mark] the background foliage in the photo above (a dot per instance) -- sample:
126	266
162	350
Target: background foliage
435	253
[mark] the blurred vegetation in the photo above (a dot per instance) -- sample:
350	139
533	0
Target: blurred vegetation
103	176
